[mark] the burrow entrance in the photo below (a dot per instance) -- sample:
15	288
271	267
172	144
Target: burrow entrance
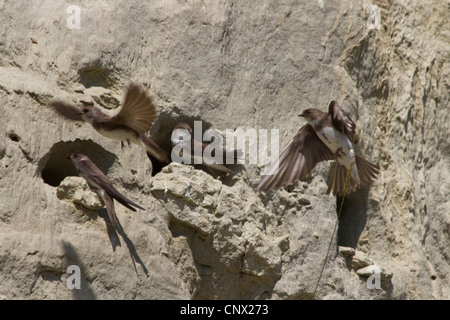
55	166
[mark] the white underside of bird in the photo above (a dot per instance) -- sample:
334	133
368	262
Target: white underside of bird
341	146
129	137
120	135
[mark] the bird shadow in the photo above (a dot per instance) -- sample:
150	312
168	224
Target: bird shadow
113	234
71	258
353	217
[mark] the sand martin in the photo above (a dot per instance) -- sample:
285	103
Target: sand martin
130	124
326	136
100	184
183	138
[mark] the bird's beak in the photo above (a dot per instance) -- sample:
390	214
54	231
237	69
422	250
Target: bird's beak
300	115
68	157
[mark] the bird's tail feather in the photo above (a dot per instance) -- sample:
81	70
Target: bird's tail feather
367	174
128	203
111	211
155	150
234	154
338	176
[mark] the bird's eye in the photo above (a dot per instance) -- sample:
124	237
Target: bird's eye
85	110
307	111
75	155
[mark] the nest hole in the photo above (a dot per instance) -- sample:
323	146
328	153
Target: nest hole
54	167
161	133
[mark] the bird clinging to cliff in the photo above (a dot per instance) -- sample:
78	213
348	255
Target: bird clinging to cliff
102	186
130	124
183	138
326	136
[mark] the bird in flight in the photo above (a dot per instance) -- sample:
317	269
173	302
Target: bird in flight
326	136
130	124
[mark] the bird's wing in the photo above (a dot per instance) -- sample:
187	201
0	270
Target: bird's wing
341	120
138	110
297	160
109	203
232	154
219	169
93	173
67	110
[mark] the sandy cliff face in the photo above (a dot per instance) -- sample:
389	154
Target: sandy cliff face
231	65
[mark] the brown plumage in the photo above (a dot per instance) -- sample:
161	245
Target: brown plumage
327	136
130	124
100	184
184	131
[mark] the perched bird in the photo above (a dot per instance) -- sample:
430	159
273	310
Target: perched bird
183	138
326	136
130	124
100	184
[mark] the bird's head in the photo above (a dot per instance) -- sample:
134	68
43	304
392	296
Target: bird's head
311	115
88	113
75	157
183	126
181	132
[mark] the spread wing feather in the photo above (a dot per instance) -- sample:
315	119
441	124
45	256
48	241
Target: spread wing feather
67	110
296	161
138	110
341	120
